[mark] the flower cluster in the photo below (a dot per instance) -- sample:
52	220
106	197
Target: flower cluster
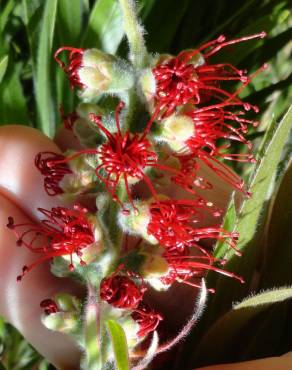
150	238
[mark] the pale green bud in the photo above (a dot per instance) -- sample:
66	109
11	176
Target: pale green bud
175	131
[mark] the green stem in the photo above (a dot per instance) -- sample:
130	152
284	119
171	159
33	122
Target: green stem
91	331
134	32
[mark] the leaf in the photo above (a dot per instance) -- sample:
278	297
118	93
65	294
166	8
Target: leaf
105	26
278	239
266	298
228	224
163	22
242	325
12	101
43	90
70	21
119	343
5	13
250	220
3	66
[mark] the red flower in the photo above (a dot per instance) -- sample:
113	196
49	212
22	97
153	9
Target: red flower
51	165
173	224
188	179
124	157
147	319
121	292
75	62
190	78
183	267
63	232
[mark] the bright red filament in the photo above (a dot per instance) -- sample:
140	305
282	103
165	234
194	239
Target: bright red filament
75	62
49	165
173	224
121	292
179	82
147	319
63	232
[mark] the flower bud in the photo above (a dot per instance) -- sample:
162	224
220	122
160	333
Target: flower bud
136	221
95	72
64	322
176	130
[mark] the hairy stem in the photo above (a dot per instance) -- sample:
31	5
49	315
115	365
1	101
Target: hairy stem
134	32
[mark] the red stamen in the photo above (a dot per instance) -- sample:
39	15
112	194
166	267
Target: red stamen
121	292
173	224
179	82
63	232
75	62
147	319
48	163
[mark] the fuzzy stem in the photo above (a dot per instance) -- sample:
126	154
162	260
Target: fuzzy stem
91	331
134	32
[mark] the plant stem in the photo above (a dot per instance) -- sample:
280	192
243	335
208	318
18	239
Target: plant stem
134	32
91	331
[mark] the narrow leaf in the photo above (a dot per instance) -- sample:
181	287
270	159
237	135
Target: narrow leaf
228	224
43	92
250	220
105	26
3	66
119	343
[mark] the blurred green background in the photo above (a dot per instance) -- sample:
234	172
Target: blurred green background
33	86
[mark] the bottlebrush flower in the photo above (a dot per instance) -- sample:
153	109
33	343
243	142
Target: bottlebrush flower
191	78
95	72
64	232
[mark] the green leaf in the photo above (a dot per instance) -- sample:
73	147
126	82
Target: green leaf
251	219
278	237
241	325
45	108
69	21
228	224
12	101
119	343
3	66
5	13
163	22
105	26
265	298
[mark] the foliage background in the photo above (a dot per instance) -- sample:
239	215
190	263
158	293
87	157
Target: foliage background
33	87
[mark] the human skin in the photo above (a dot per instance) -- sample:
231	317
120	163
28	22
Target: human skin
21	193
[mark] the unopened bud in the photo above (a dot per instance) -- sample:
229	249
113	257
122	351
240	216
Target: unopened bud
175	131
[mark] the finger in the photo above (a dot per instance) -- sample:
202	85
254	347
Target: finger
20	180
20	301
271	363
